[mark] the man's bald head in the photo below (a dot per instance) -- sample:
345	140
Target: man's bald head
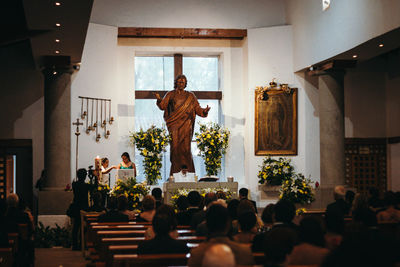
219	255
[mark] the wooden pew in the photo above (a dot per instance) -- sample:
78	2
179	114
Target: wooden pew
86	219
105	242
259	258
150	260
6	257
93	227
130	249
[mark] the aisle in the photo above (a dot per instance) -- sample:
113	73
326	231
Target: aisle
57	257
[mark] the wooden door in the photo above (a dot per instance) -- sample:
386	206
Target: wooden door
366	163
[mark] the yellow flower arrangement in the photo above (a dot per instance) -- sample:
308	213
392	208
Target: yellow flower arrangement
132	190
184	192
275	172
297	190
212	142
151	143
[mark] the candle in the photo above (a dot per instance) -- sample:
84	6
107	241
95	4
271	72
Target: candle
97	166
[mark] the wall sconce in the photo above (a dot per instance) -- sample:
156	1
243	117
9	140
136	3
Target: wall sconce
95	122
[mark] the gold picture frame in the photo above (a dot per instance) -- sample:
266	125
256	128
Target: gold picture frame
275	120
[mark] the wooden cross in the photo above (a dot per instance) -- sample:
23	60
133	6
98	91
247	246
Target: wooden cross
77	123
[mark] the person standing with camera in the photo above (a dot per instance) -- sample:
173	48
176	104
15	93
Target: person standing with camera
80	202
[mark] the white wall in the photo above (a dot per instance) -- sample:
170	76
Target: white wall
270	53
320	35
189	13
107	71
98	77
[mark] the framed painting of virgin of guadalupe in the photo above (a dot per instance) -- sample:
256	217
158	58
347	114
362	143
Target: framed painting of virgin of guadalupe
275	120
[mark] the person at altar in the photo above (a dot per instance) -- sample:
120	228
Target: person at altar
180	109
105	170
184	175
126	162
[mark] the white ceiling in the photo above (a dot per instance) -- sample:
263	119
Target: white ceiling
241	14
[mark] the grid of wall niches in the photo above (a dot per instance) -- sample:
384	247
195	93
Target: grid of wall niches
2	177
366	166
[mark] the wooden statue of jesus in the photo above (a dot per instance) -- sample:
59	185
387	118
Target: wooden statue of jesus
180	109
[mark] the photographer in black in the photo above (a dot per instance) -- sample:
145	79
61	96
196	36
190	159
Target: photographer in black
80	202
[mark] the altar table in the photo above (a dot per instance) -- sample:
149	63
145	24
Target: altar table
170	188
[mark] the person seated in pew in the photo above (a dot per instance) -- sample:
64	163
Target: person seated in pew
311	250
149	209
219	255
123	207
267	217
284	213
247	228
194	199
164	223
181	216
15	216
278	244
200	216
157	194
218	223
390	214
364	246
362	212
113	215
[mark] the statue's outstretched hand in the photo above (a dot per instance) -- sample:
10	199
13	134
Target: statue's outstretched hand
206	110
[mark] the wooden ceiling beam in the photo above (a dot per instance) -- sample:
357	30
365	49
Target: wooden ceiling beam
181	33
149	94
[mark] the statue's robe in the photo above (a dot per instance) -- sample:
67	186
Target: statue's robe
180	110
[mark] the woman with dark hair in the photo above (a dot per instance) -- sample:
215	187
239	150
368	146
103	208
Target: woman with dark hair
247	228
149	209
126	162
164	223
311	249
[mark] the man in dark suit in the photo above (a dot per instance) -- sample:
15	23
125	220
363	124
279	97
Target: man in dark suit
194	200
335	212
243	193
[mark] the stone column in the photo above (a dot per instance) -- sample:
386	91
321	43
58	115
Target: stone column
331	110
57	123
331	130
53	200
